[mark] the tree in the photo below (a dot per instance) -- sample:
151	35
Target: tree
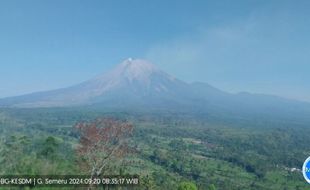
211	187
102	142
187	186
148	182
49	149
11	153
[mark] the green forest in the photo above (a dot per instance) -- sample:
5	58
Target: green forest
166	150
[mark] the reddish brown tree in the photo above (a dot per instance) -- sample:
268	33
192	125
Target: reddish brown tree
102	143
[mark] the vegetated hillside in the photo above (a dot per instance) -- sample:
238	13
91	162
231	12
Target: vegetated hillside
170	149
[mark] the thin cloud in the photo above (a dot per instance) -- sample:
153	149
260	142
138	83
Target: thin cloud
256	54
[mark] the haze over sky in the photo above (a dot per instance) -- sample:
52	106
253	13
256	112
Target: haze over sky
260	46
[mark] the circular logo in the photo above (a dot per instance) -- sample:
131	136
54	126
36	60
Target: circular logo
306	170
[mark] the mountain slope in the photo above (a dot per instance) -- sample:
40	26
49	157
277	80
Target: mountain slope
132	79
138	84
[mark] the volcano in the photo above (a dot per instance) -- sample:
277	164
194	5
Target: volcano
138	84
133	82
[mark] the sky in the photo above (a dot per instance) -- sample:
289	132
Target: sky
257	46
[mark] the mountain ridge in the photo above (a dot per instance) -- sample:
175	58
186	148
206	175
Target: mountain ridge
138	84
140	74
